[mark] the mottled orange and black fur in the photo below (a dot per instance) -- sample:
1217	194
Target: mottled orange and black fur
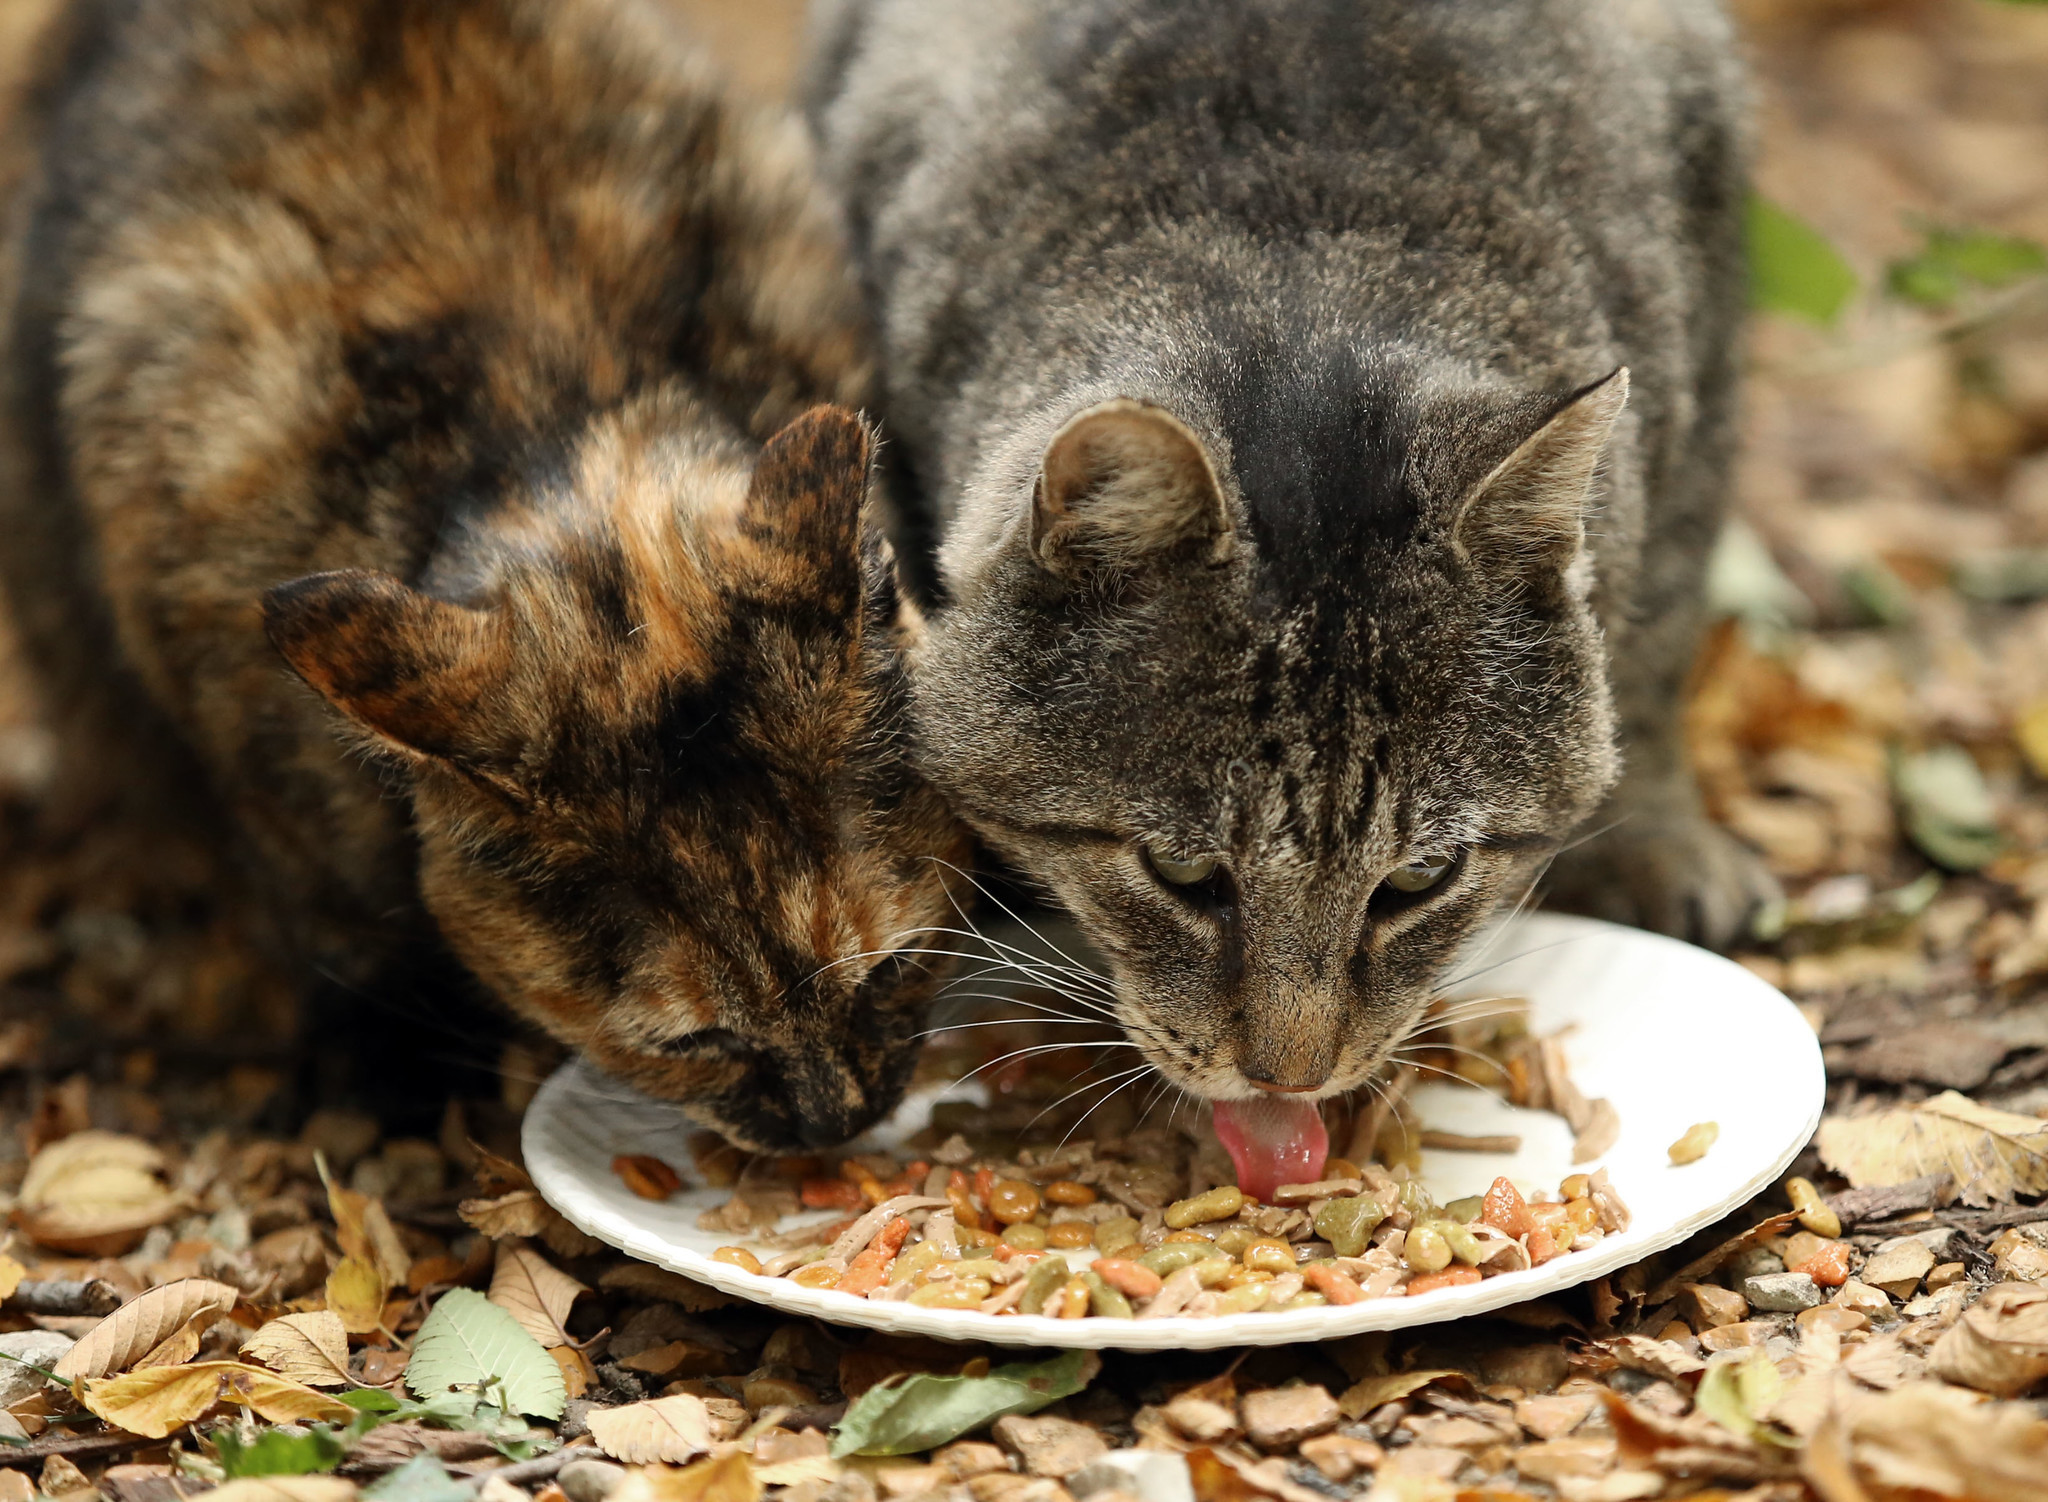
432	344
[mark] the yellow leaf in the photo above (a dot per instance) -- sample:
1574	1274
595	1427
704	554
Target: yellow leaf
2031	731
665	1429
534	1292
280	1399
1994	1155
356	1295
11	1274
93	1185
365	1231
141	1325
577	1372
157	1401
730	1478
180	1346
310	1348
286	1489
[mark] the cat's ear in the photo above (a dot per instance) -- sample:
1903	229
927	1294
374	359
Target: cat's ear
417	672
805	506
1528	516
1121	482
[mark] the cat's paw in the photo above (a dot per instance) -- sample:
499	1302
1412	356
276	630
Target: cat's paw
1676	873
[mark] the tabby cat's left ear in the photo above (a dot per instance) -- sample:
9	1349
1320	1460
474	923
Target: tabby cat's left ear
1527	516
1121	482
417	672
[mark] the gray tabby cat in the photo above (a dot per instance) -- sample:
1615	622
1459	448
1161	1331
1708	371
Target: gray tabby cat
1321	410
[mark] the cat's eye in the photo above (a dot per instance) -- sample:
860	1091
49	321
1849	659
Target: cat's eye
1422	873
1187	873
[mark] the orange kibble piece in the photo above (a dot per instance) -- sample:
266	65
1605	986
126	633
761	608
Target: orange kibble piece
737	1256
1333	1284
1133	1279
1829	1266
984	1185
1073	1299
1542	1245
1455	1276
1012	1200
1187	1236
960	1196
1585	1215
1067	1192
648	1177
1505	1210
1070	1235
1341	1168
829	1194
817	1275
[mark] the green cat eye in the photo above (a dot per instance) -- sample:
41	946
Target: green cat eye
1420	874
1182	873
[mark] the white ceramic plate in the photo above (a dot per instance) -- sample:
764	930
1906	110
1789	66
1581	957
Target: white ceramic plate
1671	1034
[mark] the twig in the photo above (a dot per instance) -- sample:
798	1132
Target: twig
540	1468
91	1296
39	1450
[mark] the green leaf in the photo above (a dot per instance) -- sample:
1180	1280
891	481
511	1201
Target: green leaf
468	1343
1792	267
1952	260
1947	808
2006	576
1738	1394
1744	580
925	1411
421	1479
278	1452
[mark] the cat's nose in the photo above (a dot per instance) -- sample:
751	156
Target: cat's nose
1273	1087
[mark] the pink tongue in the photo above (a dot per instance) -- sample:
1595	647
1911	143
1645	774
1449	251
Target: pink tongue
1273	1141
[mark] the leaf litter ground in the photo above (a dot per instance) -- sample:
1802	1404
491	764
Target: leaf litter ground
299	1317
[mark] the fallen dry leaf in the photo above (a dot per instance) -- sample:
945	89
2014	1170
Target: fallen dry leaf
141	1325
1993	1155
280	1399
310	1348
670	1430
95	1192
286	1489
578	1375
157	1401
11	1274
181	1345
730	1478
1363	1396
355	1292
365	1231
1926	1441
2000	1345
524	1213
535	1292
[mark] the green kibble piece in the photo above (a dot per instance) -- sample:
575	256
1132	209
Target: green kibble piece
1232	1240
1024	1236
1175	1255
1104	1300
1308	1298
1463	1244
1220	1203
1694	1144
1426	1251
1113	1236
1465	1211
1348	1223
1416	1200
1047	1277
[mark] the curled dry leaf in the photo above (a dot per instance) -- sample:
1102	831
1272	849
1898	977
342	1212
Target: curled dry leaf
95	1192
2000	1345
1992	1155
157	1401
355	1292
141	1325
534	1292
669	1430
280	1399
730	1478
524	1213
365	1231
1925	1440
310	1348
180	1346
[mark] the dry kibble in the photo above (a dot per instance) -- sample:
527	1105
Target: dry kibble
647	1177
1694	1144
1220	1203
1067	1192
1012	1200
1269	1255
817	1275
953	1293
1426	1251
1070	1235
1027	1236
737	1256
1812	1210
1134	1279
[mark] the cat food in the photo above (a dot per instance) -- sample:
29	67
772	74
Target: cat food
1068	1234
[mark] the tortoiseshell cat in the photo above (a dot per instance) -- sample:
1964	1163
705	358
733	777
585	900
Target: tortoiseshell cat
1259	367
431	344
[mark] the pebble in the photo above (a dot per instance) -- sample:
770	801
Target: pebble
1552	1417
1865	1300
1147	1475
1781	1293
1283	1417
1202	1419
42	1347
1340	1457
968	1458
1003	1486
1553	1459
1709	1305
590	1480
1897	1267
1049	1446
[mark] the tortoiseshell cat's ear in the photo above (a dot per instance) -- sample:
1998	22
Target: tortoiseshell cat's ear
805	506
1120	482
415	671
1527	516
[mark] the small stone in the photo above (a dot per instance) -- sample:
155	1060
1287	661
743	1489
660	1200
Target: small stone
964	1459
1202	1419
1454	1432
1865	1300
774	1445
590	1480
1754	1262
1944	1304
898	1481
1147	1475
1282	1417
1049	1446
1340	1457
1736	1337
63	1478
1945	1273
1832	1317
1898	1267
40	1348
493	1489
1426	1462
1553	1459
1006	1486
1708	1305
1553	1417
1781	1293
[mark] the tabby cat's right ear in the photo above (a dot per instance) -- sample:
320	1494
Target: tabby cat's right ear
1527	516
1123	481
417	672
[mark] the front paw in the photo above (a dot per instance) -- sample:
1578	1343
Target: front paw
1676	872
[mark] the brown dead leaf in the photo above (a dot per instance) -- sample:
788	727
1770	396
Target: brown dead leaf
181	1345
355	1292
11	1274
670	1430
95	1192
1993	1155
280	1399
310	1348
2000	1345
577	1373
141	1325
1711	1261
365	1231
524	1213
1364	1396
730	1478
286	1489
535	1292
1927	1441
157	1401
